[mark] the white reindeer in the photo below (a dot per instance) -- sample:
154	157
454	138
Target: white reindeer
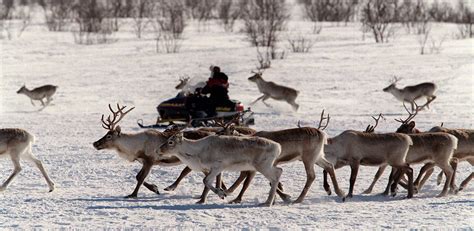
17	143
39	93
274	91
186	87
411	93
214	154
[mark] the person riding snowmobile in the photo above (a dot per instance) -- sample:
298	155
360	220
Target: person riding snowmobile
216	86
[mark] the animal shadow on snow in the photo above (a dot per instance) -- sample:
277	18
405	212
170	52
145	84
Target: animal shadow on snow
133	203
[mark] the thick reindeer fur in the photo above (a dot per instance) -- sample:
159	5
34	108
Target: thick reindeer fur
356	148
17	144
433	148
214	154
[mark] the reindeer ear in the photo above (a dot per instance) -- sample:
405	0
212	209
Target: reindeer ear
118	130
411	125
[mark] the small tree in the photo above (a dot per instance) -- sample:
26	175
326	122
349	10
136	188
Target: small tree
169	25
91	26
57	14
204	12
378	16
227	14
300	44
465	20
141	15
264	20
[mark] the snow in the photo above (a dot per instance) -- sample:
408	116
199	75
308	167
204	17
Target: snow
342	74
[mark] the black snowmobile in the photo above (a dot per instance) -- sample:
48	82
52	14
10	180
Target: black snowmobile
194	109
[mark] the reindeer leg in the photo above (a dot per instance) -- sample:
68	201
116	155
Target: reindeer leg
466	181
259	98
390	182
16	170
141	178
39	165
424	170
32	102
329	168
42	103
326	186
310	176
448	171
249	175
208	182
285	197
243	176
265	98
376	178
181	176
354	171
454	165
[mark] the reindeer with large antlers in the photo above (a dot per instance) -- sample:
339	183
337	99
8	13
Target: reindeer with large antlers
433	148
138	147
411	93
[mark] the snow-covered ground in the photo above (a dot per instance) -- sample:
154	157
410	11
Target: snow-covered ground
342	74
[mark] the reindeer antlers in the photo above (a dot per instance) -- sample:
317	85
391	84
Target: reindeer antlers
371	128
320	126
413	112
395	79
111	122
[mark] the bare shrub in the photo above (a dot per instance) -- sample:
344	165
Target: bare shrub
301	44
378	16
329	10
14	19
169	25
264	20
116	10
204	13
141	13
228	12
465	20
424	29
91	27
441	12
436	44
57	14
264	59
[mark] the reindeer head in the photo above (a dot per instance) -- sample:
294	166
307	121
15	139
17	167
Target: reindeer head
182	82
171	145
256	76
111	126
408	125
392	85
22	89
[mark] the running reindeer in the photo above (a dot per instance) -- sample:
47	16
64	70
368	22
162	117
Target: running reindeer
214	154
39	93
274	91
411	93
138	147
433	148
17	143
186	88
464	152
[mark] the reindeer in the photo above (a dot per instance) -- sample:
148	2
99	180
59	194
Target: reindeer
434	148
274	91
39	93
213	154
305	144
138	147
186	88
356	148
411	93
464	152
17	143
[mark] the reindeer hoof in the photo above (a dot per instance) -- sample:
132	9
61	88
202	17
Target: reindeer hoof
131	196
221	193
170	188
235	201
200	202
367	191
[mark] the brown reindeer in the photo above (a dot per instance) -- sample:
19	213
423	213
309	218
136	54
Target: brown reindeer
39	93
411	93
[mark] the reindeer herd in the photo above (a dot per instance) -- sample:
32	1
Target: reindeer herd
229	147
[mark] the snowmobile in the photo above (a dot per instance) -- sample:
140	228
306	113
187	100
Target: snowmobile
189	109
